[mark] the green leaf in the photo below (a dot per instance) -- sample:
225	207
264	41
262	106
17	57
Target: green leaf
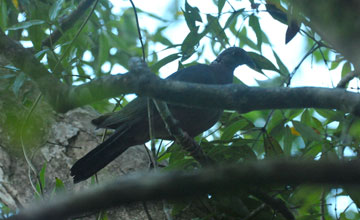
276	119
276	13
55	8
19	81
307	133
189	43
272	147
40	185
103	48
191	14
25	24
3	15
254	23
155	68
152	15
283	69
220	5
233	128
346	69
288	139
262	62
216	30
233	17
59	185
244	40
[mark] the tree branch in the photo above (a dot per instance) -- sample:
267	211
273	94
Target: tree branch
181	184
235	97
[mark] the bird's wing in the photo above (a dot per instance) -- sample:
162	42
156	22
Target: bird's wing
132	112
200	73
136	110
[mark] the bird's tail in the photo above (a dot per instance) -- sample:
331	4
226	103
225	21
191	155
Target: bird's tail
100	156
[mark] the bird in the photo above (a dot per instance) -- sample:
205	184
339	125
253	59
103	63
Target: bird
131	122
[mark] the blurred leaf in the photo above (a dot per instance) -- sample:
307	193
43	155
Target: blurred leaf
244	40
59	185
3	15
254	23
19	81
55	8
288	139
220	5
191	14
354	193
283	69
103	49
188	45
272	147
306	132
233	17
291	31
345	69
276	13
216	30
25	24
262	62
331	115
231	129
276	119
155	68
40	185
152	15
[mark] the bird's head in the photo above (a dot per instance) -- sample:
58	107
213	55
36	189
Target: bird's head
233	57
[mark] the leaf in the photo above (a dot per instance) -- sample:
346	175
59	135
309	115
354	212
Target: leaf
345	69
55	8
262	62
291	31
3	15
152	15
276	13
59	185
189	43
191	14
216	30
272	147
230	130
288	138
220	5
25	24
41	183
233	17
19	81
254	23
283	69
155	68
307	133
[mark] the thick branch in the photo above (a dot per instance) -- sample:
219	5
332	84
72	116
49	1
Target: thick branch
174	185
234	97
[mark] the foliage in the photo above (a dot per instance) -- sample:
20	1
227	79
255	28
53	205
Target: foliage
108	40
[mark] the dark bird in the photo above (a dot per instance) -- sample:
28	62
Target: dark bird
131	122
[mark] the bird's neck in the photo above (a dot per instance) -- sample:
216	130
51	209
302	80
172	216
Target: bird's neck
223	74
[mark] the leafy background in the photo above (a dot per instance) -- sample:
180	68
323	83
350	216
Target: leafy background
108	40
